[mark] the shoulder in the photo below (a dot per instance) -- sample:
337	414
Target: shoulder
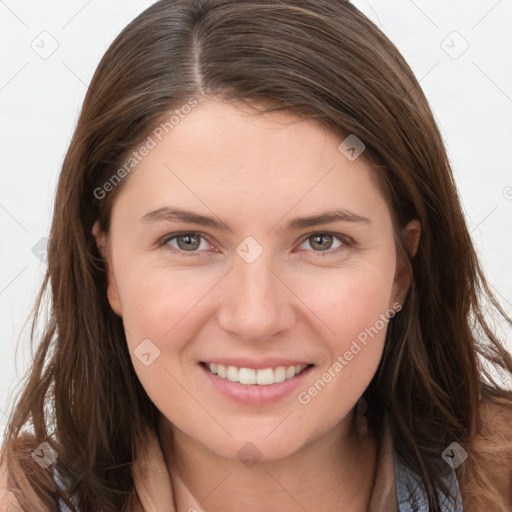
493	435
496	416
8	499
487	472
16	486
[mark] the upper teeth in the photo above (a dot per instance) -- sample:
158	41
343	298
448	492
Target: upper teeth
264	377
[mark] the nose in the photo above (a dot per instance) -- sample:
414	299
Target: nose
256	303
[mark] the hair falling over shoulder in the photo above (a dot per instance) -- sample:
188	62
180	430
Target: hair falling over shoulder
317	59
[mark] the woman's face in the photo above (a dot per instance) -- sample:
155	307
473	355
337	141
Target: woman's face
240	278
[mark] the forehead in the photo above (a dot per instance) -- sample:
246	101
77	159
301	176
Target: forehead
225	154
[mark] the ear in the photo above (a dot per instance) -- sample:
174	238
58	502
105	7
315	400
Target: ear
103	248
411	237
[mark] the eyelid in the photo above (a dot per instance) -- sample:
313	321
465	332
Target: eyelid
346	240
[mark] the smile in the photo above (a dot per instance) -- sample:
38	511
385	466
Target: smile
250	376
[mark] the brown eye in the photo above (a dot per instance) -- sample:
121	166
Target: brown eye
190	242
324	243
185	242
321	241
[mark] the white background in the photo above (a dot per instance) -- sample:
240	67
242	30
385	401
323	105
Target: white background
40	98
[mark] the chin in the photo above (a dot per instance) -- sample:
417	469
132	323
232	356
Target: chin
250	449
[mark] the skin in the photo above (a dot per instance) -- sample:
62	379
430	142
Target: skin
294	301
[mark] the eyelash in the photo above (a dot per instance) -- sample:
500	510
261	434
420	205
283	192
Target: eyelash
345	240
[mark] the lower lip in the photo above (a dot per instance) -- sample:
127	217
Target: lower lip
255	394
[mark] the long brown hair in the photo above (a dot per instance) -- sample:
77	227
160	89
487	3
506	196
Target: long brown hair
319	59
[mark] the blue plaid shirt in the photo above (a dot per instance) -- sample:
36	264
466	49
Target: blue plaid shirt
411	492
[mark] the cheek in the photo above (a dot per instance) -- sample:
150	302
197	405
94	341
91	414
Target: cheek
352	356
159	319
157	299
348	300
352	310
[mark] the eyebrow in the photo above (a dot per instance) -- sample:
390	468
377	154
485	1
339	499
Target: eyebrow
167	214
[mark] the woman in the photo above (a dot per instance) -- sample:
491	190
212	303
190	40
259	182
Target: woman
264	292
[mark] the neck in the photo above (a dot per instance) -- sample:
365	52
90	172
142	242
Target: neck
334	472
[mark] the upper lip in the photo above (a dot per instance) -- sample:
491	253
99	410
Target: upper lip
257	364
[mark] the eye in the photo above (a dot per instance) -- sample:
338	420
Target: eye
324	242
186	242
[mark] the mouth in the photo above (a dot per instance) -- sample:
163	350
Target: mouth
255	377
255	383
